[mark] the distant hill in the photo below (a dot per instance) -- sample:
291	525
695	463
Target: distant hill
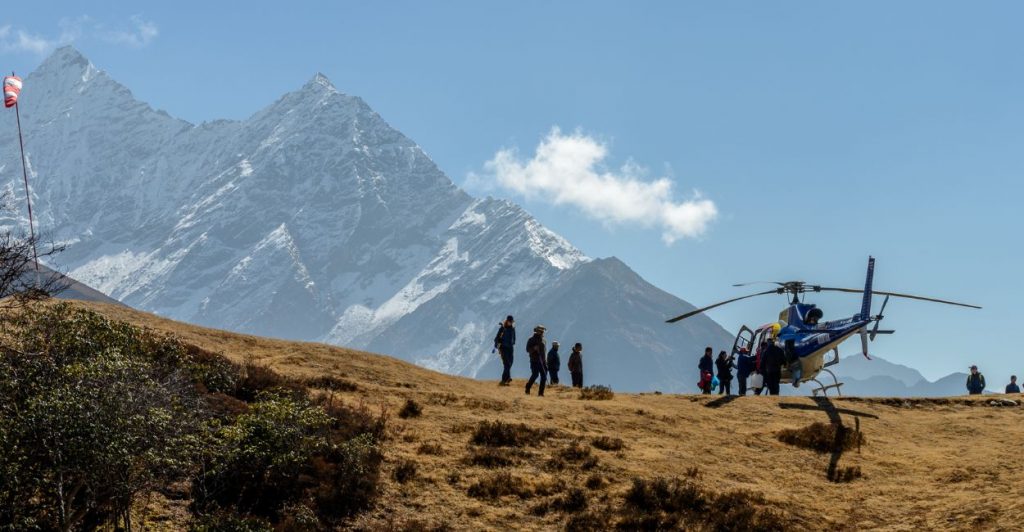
80	291
880	378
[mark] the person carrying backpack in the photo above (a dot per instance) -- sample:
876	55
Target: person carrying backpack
975	382
504	342
576	365
535	349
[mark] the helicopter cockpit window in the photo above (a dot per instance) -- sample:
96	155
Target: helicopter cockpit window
813	317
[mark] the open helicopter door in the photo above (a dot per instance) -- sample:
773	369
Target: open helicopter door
744	339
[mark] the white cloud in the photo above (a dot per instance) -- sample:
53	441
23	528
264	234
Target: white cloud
143	32
20	40
567	170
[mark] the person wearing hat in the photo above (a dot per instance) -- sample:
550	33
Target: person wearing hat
975	382
576	365
505	342
535	348
554	362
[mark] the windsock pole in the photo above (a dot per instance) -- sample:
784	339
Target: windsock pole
28	195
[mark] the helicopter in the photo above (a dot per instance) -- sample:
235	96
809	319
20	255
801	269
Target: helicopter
805	338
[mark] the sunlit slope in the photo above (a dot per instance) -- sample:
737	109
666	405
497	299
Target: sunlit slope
924	464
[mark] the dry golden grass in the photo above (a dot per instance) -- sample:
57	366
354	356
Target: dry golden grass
926	464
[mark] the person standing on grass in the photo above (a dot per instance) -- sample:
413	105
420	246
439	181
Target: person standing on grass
772	361
505	342
576	365
975	382
1012	387
535	348
744	367
707	370
724	365
554	362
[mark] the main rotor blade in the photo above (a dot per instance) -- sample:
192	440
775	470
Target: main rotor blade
894	294
760	282
709	307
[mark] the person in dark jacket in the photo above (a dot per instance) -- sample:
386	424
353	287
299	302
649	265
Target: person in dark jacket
975	382
576	365
535	348
505	342
772	360
1012	387
707	369
744	367
554	362
724	365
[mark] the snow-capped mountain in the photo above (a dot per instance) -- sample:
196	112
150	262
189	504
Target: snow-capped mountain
314	219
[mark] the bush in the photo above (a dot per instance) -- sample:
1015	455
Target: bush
256	463
74	453
490	458
331	383
595	482
593	521
405	471
607	443
597	392
822	437
669	504
499	485
500	434
228	522
410	409
574	452
572	502
257	378
431	448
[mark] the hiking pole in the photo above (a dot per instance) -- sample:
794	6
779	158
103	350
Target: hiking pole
28	195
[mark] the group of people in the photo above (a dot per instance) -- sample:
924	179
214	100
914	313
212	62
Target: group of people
542	361
976	383
761	370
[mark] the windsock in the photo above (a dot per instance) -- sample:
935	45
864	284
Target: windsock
12	86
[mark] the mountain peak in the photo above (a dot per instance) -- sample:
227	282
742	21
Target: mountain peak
319	81
66	57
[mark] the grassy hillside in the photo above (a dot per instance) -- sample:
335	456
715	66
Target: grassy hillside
932	464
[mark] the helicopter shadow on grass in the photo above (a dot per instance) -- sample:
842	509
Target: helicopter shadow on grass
825	404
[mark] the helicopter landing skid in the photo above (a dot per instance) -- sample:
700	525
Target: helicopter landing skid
825	388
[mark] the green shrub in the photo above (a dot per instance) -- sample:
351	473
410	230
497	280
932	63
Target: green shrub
228	522
74	452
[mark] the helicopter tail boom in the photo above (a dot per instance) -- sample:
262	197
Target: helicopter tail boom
865	307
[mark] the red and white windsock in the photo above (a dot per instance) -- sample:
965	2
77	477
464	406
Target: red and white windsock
12	87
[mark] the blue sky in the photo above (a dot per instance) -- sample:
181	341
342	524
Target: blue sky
822	132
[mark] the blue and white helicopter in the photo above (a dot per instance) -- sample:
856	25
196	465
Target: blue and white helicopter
805	338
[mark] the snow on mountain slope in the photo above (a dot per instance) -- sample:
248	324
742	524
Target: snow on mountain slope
312	219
